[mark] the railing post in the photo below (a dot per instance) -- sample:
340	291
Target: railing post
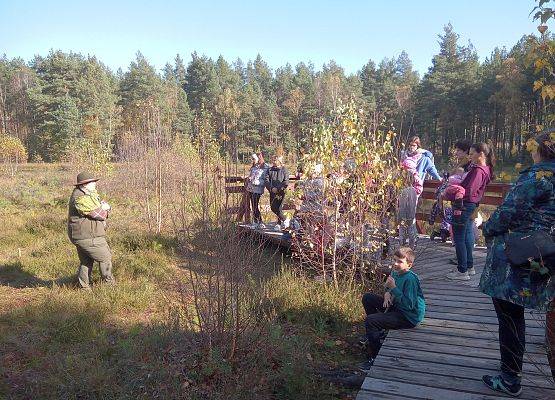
245	206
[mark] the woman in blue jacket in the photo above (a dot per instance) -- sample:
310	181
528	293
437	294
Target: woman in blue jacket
528	207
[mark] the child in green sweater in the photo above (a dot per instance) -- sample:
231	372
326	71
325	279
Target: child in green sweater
401	307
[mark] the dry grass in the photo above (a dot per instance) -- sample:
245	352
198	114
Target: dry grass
126	342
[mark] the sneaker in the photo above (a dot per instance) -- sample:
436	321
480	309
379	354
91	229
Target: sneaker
458	276
285	224
261	226
277	228
367	365
471	271
498	384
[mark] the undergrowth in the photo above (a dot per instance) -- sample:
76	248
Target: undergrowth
126	342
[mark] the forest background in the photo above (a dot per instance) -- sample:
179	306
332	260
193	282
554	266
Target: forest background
60	104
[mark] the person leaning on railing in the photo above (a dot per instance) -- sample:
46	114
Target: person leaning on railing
255	186
527	213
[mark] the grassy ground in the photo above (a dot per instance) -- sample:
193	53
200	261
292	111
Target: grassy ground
57	342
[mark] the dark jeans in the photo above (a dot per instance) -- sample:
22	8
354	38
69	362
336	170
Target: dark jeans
255	199
463	235
512	340
377	319
276	205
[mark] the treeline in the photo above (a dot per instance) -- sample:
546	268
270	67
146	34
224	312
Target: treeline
61	104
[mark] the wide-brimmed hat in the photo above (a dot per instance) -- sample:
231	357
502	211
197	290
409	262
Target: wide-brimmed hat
85	177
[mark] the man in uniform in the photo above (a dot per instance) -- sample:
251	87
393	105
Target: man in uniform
87	230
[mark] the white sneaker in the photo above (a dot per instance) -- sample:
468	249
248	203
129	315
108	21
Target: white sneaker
458	276
277	228
471	271
285	224
261	226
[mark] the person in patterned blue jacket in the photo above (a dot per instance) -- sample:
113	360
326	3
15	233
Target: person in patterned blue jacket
528	207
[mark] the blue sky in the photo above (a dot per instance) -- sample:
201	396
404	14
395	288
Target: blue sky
350	32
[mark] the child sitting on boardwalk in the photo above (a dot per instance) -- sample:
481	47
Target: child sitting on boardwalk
402	306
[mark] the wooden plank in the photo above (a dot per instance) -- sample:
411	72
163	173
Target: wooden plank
490	320
402	390
459	294
424	263
233	179
471	385
450	302
472	333
270	236
462	360
471	309
233	210
460	299
446	284
486	342
456	350
234	189
369	395
488	199
459	371
430	321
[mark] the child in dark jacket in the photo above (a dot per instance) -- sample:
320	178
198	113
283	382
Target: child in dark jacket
402	306
277	180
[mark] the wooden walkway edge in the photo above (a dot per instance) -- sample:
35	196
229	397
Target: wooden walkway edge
446	356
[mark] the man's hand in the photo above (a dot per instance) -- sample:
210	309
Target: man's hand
387	299
390	282
105	206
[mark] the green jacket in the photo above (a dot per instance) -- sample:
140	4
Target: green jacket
409	298
86	218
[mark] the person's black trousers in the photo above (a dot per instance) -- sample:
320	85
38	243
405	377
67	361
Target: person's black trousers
512	340
276	205
377	319
255	199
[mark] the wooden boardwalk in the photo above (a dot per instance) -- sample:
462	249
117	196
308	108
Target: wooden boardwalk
447	355
268	234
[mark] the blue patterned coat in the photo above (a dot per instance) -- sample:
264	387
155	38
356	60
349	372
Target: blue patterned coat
529	206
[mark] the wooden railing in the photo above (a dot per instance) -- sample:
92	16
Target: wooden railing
495	193
238	185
